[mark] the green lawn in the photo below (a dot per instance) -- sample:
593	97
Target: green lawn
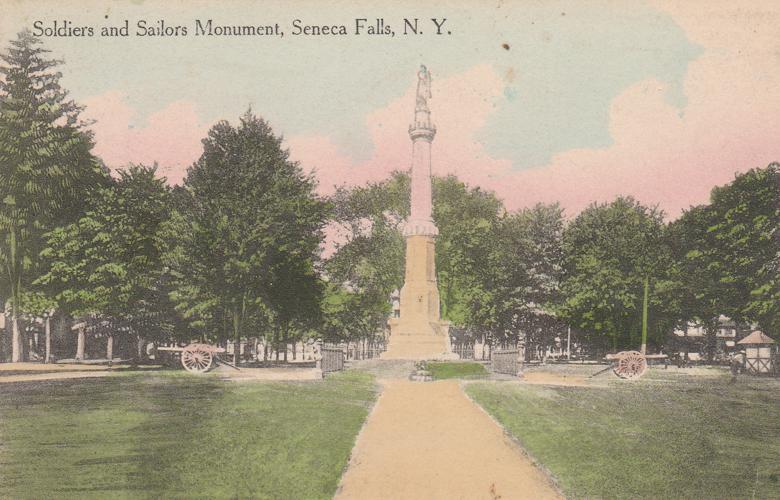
661	437
169	434
441	370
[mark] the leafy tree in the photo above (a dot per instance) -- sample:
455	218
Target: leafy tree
529	266
609	251
367	264
247	234
727	254
371	260
46	166
351	316
515	277
696	293
108	263
466	218
295	299
747	241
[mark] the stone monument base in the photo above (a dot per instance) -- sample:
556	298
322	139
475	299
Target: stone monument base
416	342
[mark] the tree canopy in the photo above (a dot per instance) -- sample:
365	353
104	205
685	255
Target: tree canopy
609	250
108	263
728	253
246	235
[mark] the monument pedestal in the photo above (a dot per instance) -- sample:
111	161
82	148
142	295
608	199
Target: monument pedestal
419	343
419	333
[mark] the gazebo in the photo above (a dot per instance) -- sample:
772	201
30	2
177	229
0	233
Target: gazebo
759	353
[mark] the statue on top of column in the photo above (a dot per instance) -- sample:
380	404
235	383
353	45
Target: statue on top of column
423	88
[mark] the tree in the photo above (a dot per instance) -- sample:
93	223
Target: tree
727	254
46	167
515	277
367	264
529	265
247	234
697	293
370	263
609	250
353	315
108	263
746	232
467	219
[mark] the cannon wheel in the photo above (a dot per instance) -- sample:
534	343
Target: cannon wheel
630	364
197	358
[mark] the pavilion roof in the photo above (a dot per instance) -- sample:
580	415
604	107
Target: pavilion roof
757	337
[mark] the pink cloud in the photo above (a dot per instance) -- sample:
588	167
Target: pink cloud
460	106
660	154
171	137
674	157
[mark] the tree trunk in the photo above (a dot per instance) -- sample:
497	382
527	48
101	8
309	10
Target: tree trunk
139	351
47	353
286	335
236	338
80	345
643	349
16	337
276	343
265	350
110	347
294	350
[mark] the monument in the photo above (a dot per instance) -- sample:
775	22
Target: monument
419	332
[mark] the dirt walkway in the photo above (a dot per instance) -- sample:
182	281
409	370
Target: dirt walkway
30	377
48	367
429	441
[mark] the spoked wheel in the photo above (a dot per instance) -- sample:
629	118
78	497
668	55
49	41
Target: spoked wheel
630	364
196	358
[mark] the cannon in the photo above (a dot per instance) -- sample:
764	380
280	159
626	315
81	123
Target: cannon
198	358
630	365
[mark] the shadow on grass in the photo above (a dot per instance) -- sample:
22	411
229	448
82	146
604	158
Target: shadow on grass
170	434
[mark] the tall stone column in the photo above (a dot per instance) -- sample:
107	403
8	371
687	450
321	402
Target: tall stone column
419	333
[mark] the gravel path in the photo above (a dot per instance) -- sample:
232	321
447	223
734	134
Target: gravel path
429	441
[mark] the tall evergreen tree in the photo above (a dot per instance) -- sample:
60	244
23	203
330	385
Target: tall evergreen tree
45	165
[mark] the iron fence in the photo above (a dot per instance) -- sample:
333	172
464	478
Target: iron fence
332	359
506	361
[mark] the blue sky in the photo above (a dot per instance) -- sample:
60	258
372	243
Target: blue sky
566	62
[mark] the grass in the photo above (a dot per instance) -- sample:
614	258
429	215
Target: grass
666	436
169	434
442	370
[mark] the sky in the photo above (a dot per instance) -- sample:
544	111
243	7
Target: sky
539	101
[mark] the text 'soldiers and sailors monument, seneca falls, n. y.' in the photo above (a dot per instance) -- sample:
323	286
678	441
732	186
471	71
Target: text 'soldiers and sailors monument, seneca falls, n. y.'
419	332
